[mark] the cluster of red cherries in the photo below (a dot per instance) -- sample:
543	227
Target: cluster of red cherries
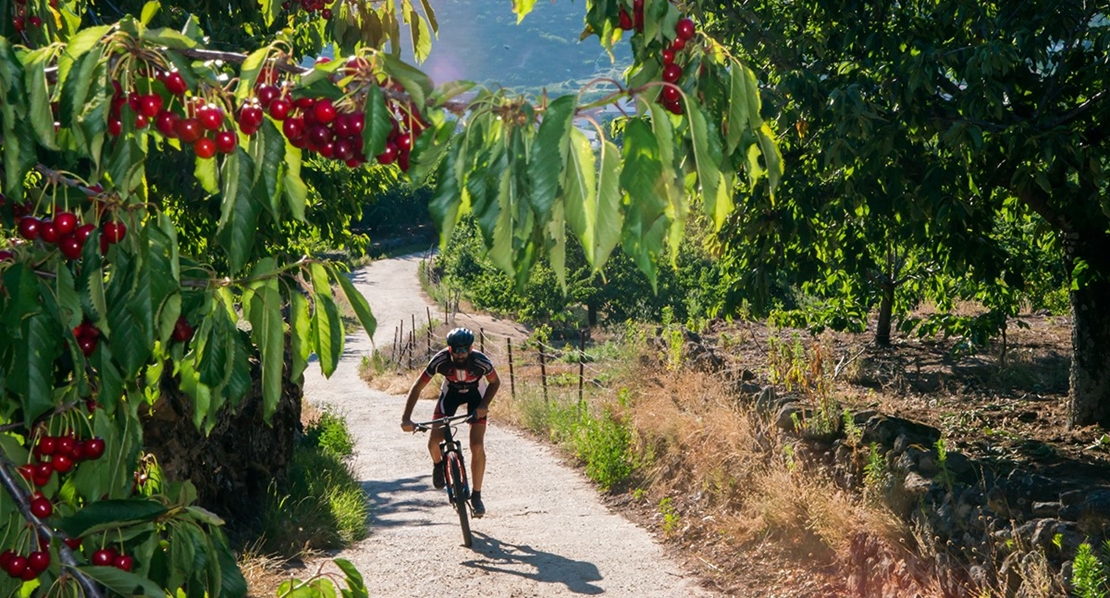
60	454
87	336
24	567
670	97
64	230
21	20
310	6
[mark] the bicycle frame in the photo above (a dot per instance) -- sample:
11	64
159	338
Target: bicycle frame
454	468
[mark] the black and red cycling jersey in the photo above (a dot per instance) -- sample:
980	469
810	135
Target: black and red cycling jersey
463	378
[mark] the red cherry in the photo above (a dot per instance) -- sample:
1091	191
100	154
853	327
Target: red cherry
358	121
29	228
671	94
182	331
672	73
82	233
678	44
71	247
668	56
6	559
64	446
266	95
19	25
141	121
403	161
226	142
404	142
17	566
73	543
150	105
44	470
35	21
62	463
46	445
124	562
65	222
166	123
6	256
205	148
388	155
319	135
114	231
250	116
48	232
175	83
38	561
41	507
188	130
326	13
88	345
280	108
344	150
133	101
625	20
211	117
94	448
104	557
293	128
324	111
684	29
674	107
27	471
305	104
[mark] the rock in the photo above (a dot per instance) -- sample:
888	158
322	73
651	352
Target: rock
1047	509
885	430
787	415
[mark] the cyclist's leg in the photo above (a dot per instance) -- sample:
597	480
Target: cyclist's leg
477	455
447	405
477	445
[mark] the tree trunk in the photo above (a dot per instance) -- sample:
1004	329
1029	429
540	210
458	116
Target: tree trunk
1089	394
886	309
591	314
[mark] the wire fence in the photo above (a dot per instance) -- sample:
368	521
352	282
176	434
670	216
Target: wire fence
415	341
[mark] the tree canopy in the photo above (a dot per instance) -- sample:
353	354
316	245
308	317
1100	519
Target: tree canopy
157	162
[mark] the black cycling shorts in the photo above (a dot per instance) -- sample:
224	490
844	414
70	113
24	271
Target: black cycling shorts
451	399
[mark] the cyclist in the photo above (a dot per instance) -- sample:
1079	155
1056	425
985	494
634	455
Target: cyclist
462	369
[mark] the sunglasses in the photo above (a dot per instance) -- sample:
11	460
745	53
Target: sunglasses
459	350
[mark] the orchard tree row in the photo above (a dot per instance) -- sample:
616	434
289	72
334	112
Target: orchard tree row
154	193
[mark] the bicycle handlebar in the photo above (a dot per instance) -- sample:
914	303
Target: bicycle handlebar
428	425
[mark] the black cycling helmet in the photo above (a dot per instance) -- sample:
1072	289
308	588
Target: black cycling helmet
460	337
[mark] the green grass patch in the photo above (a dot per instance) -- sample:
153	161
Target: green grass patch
321	506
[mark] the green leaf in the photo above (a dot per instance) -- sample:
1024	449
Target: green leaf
69	301
270	9
358	303
42	118
85	40
421	36
645	223
108	514
580	187
300	332
740	105
268	334
354	578
123	583
522	8
206	175
716	198
238	210
248	74
416	83
296	192
771	156
448	90
378	125
444	204
549	155
328	333
149	10
32	374
267	150
170	38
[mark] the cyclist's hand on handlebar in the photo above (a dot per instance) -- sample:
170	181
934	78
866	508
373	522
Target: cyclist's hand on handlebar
480	412
407	425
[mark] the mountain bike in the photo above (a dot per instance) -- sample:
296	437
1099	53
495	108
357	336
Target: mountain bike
454	469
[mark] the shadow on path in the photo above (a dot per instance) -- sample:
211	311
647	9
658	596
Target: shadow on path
529	563
387	510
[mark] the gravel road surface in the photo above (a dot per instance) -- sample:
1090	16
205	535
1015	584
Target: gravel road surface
545	534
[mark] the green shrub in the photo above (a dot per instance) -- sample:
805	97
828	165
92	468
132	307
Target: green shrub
605	444
329	433
1088	574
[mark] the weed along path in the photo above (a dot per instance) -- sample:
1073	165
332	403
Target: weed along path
546	532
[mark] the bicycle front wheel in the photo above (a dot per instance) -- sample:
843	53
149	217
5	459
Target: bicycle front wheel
457	472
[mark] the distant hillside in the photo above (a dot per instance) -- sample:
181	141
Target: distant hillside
480	41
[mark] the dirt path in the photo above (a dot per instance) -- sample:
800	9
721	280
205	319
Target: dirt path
546	534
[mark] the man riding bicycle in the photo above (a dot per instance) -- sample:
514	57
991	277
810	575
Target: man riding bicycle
462	369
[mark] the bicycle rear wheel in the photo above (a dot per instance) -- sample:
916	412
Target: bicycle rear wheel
457	472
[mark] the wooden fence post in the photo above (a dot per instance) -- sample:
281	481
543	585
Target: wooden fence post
482	340
412	339
393	355
581	365
429	312
543	373
512	379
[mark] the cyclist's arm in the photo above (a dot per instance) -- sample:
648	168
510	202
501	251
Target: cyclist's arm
493	383
410	404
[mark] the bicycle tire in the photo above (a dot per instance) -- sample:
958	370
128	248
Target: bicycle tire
456	470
